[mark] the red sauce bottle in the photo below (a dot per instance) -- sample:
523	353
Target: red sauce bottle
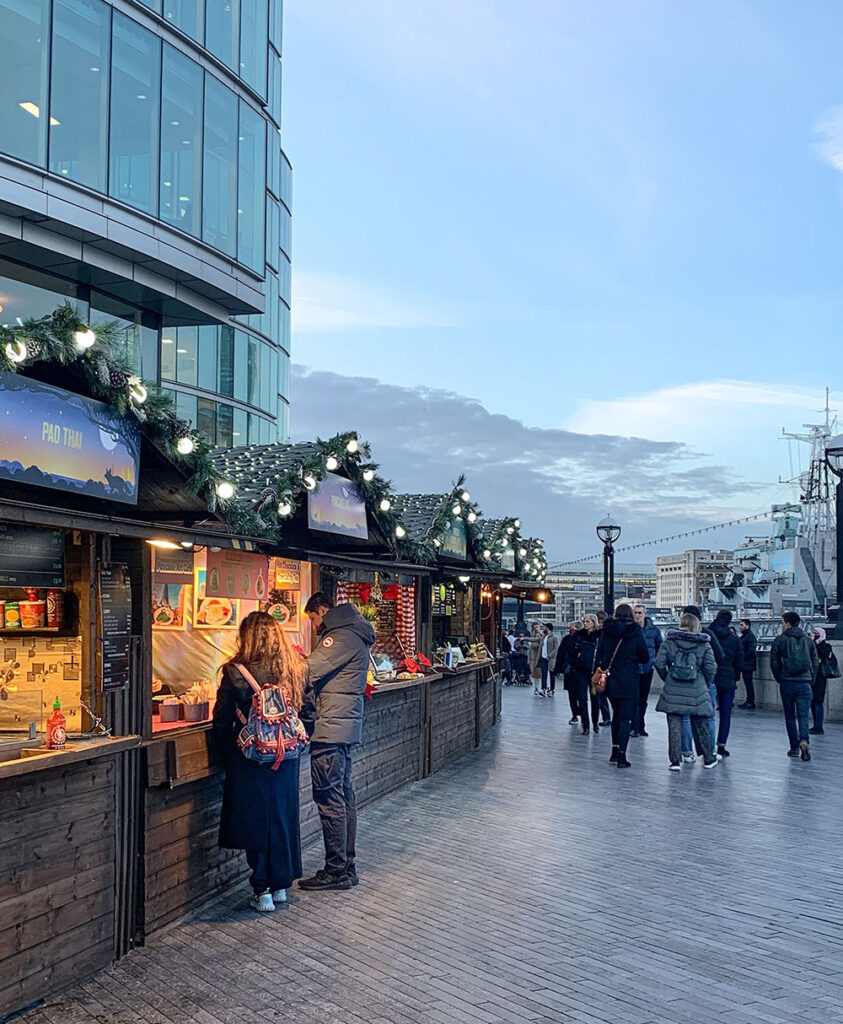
56	728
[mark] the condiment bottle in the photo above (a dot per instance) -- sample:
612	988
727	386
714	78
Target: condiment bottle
55	609
56	728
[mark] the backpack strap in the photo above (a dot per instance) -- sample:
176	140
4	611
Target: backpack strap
247	675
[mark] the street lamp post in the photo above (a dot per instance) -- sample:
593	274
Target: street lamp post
608	531
834	460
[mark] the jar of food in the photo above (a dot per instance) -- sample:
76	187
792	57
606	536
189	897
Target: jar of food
33	614
11	617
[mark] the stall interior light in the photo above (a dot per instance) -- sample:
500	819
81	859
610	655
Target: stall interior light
164	545
187	545
463	579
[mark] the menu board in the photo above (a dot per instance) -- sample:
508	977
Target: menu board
237	574
444	599
115	623
30	557
386	616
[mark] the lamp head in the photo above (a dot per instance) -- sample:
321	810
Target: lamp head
834	455
608	529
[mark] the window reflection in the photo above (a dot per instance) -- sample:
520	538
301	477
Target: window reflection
219	186
251	191
135	74
208	357
187	339
24	27
79	90
27	293
168	353
206	419
253	36
181	141
222	30
188	15
137	338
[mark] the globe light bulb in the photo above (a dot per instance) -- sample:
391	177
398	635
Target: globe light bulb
310	481
510	529
185	445
457	509
331	463
352	446
487	554
16	351
523	552
517	523
386	505
400	532
466	496
472	517
369	475
225	490
285	508
84	339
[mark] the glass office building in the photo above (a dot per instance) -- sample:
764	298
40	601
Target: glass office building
142	178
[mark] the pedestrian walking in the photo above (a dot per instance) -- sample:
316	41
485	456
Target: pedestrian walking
794	663
728	672
583	659
749	654
826	669
688	744
506	654
333	712
520	659
536	637
602	699
564	668
547	659
260	803
686	664
653	639
620	650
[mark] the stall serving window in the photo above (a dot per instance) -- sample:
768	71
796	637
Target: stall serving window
199	599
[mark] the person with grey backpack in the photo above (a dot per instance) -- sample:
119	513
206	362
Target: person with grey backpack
686	664
794	663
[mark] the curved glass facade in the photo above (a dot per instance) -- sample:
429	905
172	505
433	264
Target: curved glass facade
172	108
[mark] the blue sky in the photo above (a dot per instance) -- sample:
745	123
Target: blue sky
595	217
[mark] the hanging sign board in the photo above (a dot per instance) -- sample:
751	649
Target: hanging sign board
287	574
508	559
337	507
237	574
176	564
455	542
53	438
115	624
30	557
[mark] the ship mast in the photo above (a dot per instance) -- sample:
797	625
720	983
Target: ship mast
816	490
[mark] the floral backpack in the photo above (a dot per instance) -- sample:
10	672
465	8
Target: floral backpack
273	730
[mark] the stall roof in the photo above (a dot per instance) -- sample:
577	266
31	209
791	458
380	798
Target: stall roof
418	513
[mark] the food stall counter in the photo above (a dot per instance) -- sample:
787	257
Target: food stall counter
35	758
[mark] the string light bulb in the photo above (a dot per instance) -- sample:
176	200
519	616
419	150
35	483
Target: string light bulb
523	552
487	554
510	530
16	350
352	446
385	505
225	490
457	509
466	496
310	481
331	463
136	390
84	339
368	475
284	509
185	445
400	532
472	517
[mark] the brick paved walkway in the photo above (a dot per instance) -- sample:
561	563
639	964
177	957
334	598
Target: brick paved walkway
531	881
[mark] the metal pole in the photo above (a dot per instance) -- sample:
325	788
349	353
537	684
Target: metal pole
838	494
606	598
610	603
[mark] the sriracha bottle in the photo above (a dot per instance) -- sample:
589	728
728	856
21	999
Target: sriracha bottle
56	728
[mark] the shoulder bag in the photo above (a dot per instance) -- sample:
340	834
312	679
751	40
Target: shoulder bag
600	676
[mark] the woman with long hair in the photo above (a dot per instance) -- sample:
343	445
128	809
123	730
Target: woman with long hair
260	804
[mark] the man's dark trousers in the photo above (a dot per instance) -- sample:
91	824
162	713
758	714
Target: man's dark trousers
796	701
639	712
333	794
747	674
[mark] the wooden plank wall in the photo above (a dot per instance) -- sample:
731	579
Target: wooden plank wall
57	885
453	718
487	688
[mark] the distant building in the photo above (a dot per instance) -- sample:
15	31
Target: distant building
578	589
687	578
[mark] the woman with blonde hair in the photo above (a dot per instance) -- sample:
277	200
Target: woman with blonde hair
260	805
686	664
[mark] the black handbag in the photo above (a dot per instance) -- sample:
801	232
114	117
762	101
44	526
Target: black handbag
829	669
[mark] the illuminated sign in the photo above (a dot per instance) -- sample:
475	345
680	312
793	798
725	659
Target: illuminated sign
337	507
455	541
53	438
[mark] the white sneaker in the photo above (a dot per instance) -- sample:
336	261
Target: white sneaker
675	768
280	896
536	691
262	902
689	758
719	758
713	764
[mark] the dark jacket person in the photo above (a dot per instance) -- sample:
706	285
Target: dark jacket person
794	663
333	715
260	805
728	672
620	651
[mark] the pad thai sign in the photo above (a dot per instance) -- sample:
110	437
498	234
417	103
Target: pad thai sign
337	507
54	438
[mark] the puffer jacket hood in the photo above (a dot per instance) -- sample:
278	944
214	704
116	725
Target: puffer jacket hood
684	636
686	697
346	616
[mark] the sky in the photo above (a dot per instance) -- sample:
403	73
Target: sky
587	252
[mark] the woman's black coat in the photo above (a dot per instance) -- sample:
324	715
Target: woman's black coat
259	805
632	652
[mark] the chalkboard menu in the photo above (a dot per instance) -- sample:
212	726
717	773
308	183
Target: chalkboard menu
31	557
115	622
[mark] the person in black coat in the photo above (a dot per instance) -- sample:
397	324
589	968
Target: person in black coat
749	653
260	804
564	668
728	672
620	651
827	668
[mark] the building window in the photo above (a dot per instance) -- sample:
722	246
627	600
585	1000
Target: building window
219	185
240	424
253	48
137	340
24	28
251	189
206	419
241	366
135	110
225	426
186	407
168	353
181	141
226	362
188	15
222	30
79	91
187	339
209	358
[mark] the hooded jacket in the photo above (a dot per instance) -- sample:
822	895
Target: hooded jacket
339	665
788	654
627	638
730	665
653	640
691	697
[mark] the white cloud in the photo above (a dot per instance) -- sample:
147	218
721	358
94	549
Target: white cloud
330	302
830	132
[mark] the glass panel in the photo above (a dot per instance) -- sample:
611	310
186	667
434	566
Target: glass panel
226	361
267	377
240	432
251	192
286	195
154	5
208	357
276	23
168	353
181	141
254	372
137	340
225	425
273	231
284	330
241	366
27	293
286	239
269	324
187	339
284	375
135	74
79	90
222	30
273	170
186	15
24	29
186	407
254	428
274	105
219	191
206	419
253	39
283	421
284	276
